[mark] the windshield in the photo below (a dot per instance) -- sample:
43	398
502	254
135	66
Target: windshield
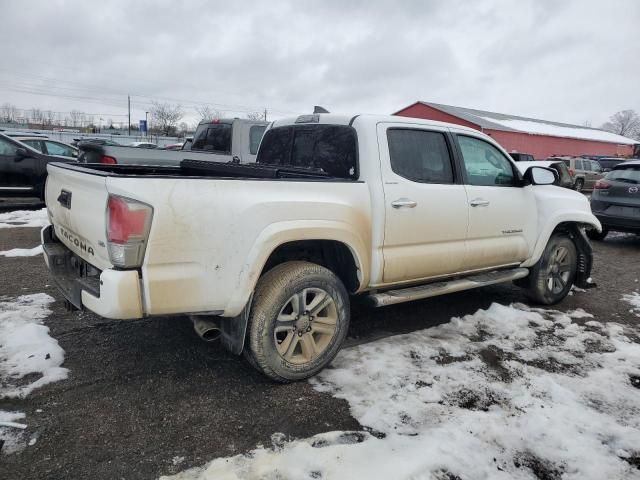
331	148
625	175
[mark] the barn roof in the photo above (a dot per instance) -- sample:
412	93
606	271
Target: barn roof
513	123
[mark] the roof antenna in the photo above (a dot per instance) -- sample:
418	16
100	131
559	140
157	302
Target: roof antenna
319	109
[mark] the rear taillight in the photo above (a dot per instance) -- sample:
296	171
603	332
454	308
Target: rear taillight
128	223
601	185
572	172
107	160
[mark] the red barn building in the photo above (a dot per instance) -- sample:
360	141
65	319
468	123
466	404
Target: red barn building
540	138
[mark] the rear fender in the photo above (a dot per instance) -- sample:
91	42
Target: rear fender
283	232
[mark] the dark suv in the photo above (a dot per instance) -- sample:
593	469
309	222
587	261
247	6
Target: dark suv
615	200
23	170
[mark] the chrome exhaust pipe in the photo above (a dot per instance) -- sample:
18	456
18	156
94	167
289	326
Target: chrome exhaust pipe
208	330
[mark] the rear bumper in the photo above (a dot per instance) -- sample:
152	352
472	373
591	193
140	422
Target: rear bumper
625	224
109	293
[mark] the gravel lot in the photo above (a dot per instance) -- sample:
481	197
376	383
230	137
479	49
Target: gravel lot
143	394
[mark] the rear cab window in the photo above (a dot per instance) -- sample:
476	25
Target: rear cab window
330	148
213	137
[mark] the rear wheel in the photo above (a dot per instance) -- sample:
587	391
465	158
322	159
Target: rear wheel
593	234
550	279
298	321
579	185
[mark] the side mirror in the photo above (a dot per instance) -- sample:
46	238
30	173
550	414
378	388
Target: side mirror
21	154
540	176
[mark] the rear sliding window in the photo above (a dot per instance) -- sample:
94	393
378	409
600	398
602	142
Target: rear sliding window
213	138
331	148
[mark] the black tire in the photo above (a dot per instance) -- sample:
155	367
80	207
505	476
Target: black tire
550	279
274	305
579	185
593	234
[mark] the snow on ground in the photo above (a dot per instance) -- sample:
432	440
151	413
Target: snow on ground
29	357
11	431
26	347
22	252
633	299
24	218
505	393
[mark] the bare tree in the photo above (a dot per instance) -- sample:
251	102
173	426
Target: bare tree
625	123
257	115
8	112
76	118
36	116
48	117
166	116
208	113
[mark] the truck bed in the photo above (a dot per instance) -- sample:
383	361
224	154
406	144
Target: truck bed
201	169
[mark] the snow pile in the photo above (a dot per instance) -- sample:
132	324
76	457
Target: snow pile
24	218
508	392
26	347
11	432
26	350
633	299
22	252
543	128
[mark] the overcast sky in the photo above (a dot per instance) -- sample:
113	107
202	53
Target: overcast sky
571	61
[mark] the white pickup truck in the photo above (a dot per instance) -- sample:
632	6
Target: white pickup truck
222	140
267	255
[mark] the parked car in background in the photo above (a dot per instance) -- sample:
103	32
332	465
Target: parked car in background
615	200
607	163
173	146
143	145
23	169
563	177
585	172
229	140
522	157
95	141
49	147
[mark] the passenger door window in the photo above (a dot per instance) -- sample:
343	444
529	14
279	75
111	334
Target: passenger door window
484	164
54	148
35	144
7	148
420	156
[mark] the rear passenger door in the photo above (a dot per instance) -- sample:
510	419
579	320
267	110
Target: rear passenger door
502	213
425	204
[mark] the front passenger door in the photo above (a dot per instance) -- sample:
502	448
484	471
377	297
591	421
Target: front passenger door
502	213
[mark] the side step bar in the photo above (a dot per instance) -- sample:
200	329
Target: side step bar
449	286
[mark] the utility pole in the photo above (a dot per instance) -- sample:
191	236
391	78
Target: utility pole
129	105
265	114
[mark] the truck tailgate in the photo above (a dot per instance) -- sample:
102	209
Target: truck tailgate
77	202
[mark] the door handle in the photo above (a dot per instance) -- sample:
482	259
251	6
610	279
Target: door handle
479	202
403	203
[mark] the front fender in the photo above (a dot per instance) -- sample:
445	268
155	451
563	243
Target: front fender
551	224
280	233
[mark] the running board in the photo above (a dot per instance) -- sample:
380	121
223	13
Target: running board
448	286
